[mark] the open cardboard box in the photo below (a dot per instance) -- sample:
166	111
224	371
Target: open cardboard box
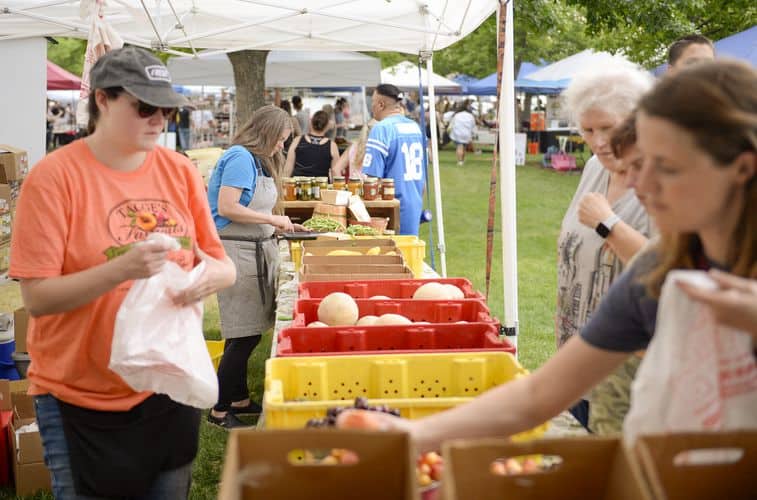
356	244
264	464
29	468
699	466
353	259
20	327
7	389
14	163
341	272
592	468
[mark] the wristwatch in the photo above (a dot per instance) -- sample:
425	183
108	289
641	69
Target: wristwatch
603	228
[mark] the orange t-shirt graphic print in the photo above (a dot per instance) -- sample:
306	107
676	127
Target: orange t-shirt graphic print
74	214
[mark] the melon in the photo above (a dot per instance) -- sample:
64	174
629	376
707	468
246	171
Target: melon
379	297
317	324
338	309
392	319
367	320
432	291
454	292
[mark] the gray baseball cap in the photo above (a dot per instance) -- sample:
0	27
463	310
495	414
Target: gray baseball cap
140	73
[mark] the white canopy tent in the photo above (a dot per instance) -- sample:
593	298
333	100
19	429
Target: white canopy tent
283	69
572	66
412	26
405	76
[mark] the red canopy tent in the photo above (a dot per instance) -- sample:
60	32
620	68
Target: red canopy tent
60	79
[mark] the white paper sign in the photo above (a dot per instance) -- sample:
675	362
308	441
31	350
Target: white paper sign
520	149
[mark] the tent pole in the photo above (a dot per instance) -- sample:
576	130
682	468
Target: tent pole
507	184
435	159
366	119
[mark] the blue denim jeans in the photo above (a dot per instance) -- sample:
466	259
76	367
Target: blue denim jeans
170	485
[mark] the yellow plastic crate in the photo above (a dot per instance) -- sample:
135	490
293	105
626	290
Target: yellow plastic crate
413	250
215	349
300	388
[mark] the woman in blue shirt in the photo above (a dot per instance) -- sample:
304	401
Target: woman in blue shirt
242	193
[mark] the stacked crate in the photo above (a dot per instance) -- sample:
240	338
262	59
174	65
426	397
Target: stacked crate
14	166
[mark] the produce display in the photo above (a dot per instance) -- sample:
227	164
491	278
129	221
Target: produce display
360	404
323	225
518	465
360	230
429	468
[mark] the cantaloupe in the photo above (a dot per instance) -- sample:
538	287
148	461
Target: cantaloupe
392	319
338	309
342	253
431	291
454	292
367	320
373	251
317	324
379	297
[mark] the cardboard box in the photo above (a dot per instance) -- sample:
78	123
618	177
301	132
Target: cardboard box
20	327
7	389
14	163
352	259
699	466
5	256
341	272
333	212
29	469
263	464
591	468
335	197
350	244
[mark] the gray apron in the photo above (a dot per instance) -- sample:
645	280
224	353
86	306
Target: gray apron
248	307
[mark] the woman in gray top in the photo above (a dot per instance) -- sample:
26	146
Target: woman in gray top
605	223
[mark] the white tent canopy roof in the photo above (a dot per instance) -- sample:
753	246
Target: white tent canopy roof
228	25
405	76
283	69
572	66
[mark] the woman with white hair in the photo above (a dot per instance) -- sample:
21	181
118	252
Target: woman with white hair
605	224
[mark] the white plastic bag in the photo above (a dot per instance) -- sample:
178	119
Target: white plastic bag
696	375
158	346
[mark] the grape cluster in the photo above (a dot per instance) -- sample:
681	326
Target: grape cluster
360	404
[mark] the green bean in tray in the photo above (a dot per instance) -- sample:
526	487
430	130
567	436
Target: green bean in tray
358	230
323	225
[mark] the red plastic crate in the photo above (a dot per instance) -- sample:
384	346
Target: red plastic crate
407	339
395	289
433	311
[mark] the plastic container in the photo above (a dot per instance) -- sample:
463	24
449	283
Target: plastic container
215	349
21	362
433	311
7	366
408	339
395	289
298	389
412	249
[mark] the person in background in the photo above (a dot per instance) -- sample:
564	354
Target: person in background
296	130
339	119
302	114
461	127
691	49
185	128
242	193
350	163
697	131
313	154
93	203
394	149
330	130
605	224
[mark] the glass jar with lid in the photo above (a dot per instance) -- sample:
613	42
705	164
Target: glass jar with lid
319	184
339	183
370	189
290	189
306	188
387	189
355	185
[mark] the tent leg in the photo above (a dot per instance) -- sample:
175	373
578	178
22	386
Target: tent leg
507	184
435	160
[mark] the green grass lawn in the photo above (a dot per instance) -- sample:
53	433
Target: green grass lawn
542	198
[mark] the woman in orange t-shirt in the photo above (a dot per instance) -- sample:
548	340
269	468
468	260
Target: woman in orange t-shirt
80	213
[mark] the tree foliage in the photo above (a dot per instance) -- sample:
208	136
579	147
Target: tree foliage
643	29
68	53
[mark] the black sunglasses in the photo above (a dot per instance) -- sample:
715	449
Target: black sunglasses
145	110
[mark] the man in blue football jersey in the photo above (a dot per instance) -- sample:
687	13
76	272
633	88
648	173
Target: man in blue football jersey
395	150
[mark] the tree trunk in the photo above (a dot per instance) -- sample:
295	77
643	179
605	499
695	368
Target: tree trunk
249	80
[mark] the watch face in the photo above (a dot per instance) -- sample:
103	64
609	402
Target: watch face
602	230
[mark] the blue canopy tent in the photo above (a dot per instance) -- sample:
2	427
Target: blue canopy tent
739	46
488	86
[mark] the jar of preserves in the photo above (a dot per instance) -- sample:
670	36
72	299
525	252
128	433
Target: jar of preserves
370	189
339	183
306	188
387	189
355	186
319	184
290	189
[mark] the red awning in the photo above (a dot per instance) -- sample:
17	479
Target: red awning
60	79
